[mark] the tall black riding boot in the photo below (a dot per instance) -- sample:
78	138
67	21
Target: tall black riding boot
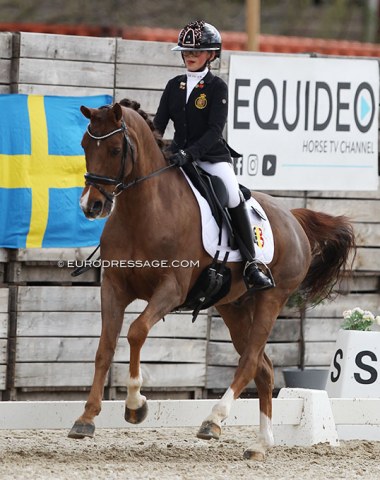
254	278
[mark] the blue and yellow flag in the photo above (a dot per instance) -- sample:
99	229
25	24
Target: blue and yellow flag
41	171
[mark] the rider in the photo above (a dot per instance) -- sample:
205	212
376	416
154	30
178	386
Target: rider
197	103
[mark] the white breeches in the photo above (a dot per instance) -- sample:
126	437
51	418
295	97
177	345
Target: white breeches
225	171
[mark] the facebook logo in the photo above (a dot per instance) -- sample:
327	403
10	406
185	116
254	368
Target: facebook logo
269	165
238	165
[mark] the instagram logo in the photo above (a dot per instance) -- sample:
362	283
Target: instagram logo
253	164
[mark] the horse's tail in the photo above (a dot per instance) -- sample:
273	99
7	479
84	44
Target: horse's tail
332	239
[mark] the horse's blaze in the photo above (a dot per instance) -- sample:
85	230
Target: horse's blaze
136	416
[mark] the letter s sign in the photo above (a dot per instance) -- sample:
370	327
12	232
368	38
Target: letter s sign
364	366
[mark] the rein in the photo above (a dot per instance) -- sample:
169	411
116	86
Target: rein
96	181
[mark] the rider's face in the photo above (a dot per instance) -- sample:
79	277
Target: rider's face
195	60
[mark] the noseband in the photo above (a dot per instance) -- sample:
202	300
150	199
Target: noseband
96	181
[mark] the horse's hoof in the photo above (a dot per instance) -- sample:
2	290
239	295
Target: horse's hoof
257	455
136	416
81	430
209	430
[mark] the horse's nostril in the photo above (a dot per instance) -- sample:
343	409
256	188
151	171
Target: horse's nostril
96	207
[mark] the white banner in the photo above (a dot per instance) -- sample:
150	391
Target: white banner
304	123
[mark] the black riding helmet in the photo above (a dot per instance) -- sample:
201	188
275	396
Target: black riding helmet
199	35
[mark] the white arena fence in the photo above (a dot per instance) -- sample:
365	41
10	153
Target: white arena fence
300	417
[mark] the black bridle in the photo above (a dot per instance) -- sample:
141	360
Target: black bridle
96	181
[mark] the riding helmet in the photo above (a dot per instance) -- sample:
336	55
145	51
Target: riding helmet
199	35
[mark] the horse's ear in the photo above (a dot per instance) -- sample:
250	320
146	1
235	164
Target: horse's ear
86	111
117	111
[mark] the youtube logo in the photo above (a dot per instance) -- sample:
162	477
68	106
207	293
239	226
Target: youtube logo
269	165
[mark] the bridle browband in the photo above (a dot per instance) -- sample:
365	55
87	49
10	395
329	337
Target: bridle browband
96	181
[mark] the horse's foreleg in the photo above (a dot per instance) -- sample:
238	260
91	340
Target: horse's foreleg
112	320
165	298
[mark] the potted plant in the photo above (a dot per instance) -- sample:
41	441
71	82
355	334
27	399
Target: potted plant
355	366
301	377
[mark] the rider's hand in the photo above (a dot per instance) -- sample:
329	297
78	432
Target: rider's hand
180	158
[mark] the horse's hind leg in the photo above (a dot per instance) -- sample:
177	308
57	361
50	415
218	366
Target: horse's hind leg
264	381
250	327
112	320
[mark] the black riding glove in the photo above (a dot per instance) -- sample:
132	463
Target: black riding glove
180	158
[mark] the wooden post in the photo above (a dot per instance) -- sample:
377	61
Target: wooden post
253	24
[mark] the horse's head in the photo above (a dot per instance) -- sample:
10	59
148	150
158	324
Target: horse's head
106	148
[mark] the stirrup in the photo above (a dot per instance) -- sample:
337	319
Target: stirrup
261	280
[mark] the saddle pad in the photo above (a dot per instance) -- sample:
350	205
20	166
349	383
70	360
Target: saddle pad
262	231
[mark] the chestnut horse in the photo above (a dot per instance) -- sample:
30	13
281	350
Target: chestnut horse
153	215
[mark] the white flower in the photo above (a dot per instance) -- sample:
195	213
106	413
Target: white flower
359	319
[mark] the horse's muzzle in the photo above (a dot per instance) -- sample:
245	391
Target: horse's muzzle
95	207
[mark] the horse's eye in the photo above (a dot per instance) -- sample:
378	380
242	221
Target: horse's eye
116	151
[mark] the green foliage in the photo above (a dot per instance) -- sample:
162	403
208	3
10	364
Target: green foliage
358	319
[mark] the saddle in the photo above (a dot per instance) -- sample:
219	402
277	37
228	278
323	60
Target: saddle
214	282
213	190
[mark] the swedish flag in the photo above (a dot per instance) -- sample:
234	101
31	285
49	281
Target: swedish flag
41	171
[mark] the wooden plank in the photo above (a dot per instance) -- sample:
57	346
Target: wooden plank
322	329
3	350
51	254
3	377
367	259
168	375
375	194
359	283
4	295
145	77
63	90
356	210
284	330
65	47
3	325
44	375
18	272
367	234
147	53
3	255
221	378
71	349
53	375
319	354
5	45
53	299
65	72
65	299
5	72
148	99
281	354
367	301
82	324
5	89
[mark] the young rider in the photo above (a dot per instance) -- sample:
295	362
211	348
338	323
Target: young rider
197	103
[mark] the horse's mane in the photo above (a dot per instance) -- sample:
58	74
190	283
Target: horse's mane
126	102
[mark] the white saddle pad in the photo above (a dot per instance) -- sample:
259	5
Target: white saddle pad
262	231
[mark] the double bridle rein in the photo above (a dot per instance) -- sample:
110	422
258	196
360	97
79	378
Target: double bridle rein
96	181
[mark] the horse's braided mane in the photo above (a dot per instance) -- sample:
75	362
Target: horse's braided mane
126	102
